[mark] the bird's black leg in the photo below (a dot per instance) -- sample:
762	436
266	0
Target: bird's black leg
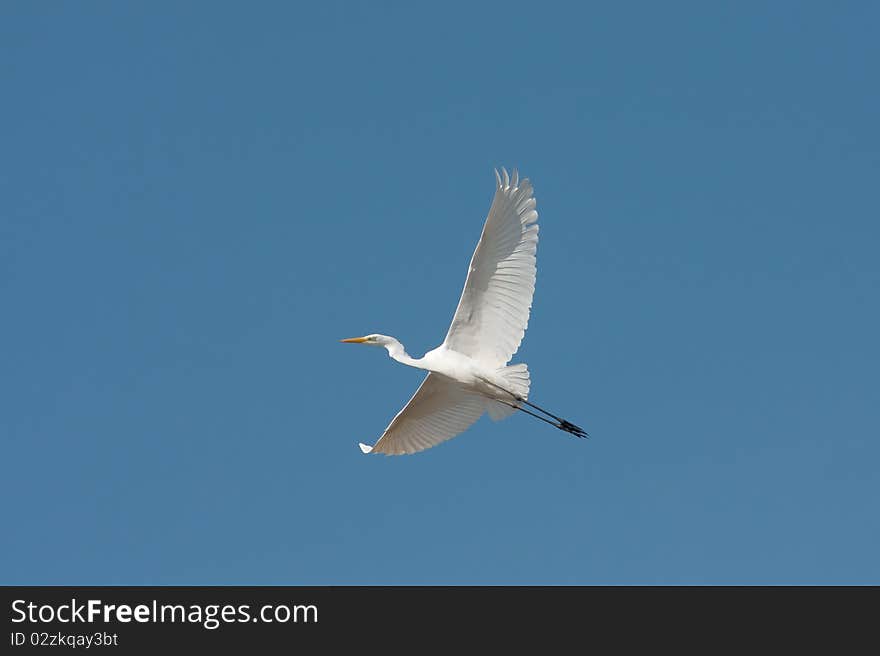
528	412
561	424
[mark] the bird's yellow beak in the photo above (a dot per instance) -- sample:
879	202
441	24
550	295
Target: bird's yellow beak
354	340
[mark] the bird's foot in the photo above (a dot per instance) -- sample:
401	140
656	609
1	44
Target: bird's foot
569	427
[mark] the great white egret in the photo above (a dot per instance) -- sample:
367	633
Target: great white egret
468	373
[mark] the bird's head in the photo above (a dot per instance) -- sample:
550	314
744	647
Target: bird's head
370	340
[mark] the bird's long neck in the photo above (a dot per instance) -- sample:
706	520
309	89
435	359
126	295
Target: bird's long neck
395	350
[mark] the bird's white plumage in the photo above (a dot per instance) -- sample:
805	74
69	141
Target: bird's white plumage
493	311
438	411
468	372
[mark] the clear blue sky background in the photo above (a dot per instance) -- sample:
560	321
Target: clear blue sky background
197	200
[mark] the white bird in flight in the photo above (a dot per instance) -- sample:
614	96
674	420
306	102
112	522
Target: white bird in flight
468	374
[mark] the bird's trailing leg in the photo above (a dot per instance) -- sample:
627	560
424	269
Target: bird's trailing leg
558	422
561	424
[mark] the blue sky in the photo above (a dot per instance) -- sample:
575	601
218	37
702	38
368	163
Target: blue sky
198	200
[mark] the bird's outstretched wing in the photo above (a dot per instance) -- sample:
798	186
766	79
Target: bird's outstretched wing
438	411
493	311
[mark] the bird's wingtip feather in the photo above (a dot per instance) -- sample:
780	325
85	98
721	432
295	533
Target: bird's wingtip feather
365	448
